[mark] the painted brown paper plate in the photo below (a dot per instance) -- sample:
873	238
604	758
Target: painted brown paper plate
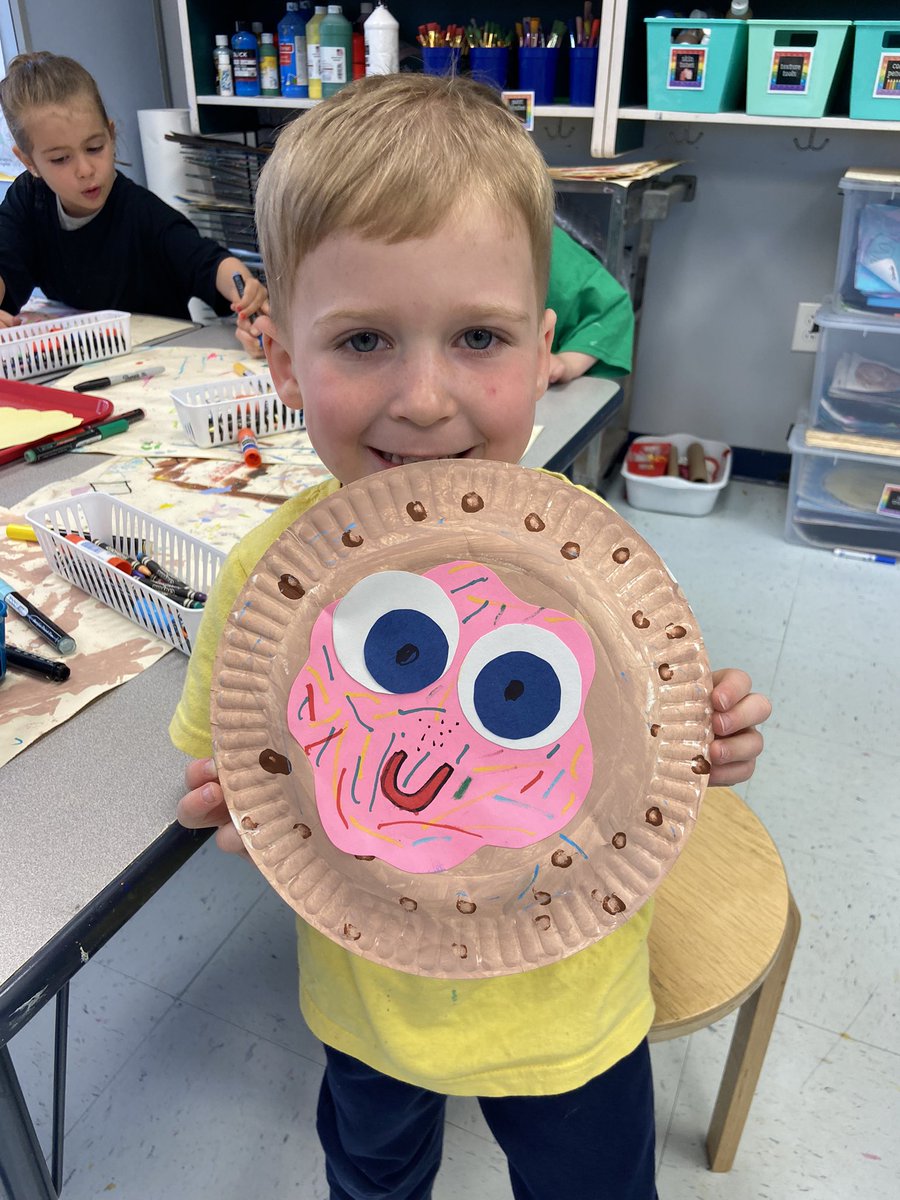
461	713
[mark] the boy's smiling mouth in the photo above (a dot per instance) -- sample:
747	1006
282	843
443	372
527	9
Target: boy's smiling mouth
401	460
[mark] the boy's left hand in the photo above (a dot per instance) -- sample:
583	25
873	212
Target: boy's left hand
736	713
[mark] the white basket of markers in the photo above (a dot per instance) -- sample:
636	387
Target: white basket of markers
63	343
146	569
213	414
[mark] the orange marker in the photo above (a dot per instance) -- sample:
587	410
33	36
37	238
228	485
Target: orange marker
249	448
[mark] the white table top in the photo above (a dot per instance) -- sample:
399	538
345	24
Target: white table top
83	802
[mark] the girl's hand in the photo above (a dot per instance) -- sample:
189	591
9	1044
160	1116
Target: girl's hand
736	713
203	806
7	320
253	301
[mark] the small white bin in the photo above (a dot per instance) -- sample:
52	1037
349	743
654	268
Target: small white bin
670	493
127	529
212	414
63	343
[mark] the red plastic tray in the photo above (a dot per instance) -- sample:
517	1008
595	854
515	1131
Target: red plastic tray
32	395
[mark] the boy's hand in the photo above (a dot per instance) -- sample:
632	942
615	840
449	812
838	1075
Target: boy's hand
203	806
569	365
736	713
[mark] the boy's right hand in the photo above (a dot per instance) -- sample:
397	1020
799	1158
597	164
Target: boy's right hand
203	806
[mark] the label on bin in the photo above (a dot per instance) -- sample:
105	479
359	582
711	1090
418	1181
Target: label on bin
687	68
790	71
889	504
887	81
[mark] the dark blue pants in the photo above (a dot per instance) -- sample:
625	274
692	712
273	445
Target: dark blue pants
383	1138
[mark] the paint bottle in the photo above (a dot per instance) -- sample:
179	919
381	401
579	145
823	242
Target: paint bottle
268	66
293	69
313	49
222	59
336	39
740	10
382	34
359	40
245	56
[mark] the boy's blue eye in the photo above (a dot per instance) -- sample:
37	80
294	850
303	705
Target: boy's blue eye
478	339
364	342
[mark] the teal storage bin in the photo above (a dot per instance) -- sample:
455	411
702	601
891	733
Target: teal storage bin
875	84
794	67
696	76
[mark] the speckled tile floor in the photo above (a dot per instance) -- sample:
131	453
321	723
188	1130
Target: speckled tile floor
192	1076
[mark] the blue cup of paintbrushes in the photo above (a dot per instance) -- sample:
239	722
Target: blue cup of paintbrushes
583	75
440	60
537	71
490	64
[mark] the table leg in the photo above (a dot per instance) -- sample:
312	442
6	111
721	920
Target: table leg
23	1172
59	1084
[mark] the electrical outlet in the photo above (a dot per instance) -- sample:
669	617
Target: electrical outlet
806	331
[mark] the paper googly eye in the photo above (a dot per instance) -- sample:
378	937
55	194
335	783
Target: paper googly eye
520	687
395	632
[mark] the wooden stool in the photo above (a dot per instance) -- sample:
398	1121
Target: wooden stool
723	936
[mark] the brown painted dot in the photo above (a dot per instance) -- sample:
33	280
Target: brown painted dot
466	907
350	539
543	897
274	763
700	765
290	586
639	621
408	903
561	858
570	550
534	524
620	841
461	949
665	672
675	631
472	503
248	823
613	904
654	730
543	921
351	933
621	554
416	511
304	830
653	816
364	857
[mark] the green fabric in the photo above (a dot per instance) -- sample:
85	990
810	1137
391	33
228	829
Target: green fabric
593	311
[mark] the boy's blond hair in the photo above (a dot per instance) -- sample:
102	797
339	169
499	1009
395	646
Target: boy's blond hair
38	80
391	157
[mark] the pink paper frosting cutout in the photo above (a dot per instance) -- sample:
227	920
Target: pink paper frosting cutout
439	714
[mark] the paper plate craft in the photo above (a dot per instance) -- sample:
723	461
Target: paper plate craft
461	714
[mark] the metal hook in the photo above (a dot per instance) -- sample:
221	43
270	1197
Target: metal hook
563	136
682	138
810	142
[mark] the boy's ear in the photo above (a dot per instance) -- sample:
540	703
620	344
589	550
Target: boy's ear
25	160
280	361
548	326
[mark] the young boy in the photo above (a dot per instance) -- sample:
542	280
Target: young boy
406	227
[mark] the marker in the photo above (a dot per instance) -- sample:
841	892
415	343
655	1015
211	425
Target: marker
241	369
21	533
238	281
57	671
96	433
96	385
43	625
864	556
249	448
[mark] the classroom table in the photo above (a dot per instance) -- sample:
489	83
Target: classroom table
88	809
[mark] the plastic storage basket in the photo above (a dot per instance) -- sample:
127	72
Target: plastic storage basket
856	385
670	494
214	413
126	528
64	343
875	83
842	499
793	67
867	277
696	77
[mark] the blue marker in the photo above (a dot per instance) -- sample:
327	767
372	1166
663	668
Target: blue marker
43	625
865	556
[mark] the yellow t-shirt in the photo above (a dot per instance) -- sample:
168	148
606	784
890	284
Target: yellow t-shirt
537	1033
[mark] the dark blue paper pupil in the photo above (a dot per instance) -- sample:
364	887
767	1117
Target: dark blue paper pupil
517	695
405	650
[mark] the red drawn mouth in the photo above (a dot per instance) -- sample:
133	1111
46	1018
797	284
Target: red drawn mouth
411	801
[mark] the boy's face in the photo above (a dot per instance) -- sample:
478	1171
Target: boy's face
434	347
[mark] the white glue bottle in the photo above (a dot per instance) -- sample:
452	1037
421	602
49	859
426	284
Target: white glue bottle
382	34
222	58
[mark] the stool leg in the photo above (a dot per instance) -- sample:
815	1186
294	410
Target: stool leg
756	1018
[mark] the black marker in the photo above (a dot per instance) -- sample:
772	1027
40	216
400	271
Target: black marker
57	637
59	672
